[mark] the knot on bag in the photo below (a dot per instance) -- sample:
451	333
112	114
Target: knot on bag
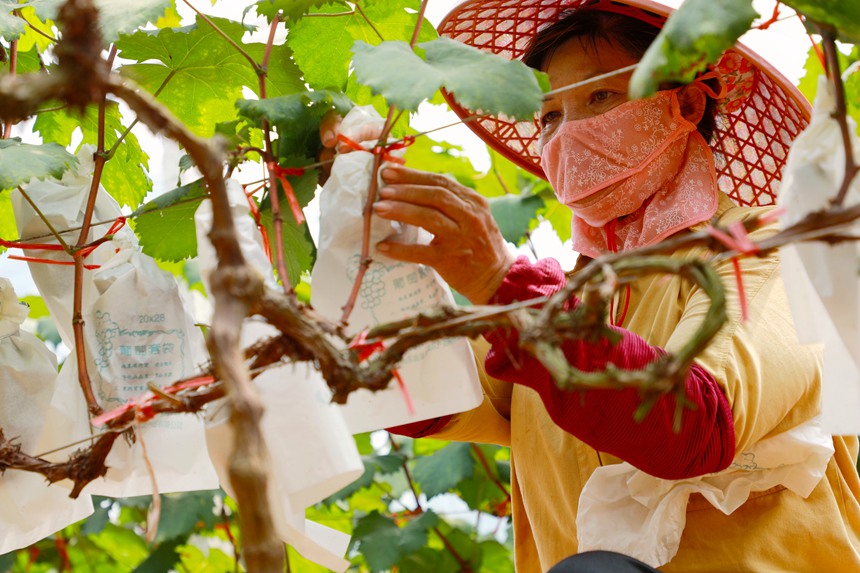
382	150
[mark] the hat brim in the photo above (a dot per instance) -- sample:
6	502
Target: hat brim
755	128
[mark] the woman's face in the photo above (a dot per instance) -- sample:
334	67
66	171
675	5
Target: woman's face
578	60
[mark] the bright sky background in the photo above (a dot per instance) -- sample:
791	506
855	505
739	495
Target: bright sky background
784	44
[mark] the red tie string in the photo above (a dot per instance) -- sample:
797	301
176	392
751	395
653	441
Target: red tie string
612	244
773	18
281	173
384	151
255	212
365	349
82	253
144	405
737	240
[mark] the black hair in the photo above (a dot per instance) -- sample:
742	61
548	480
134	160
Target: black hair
632	35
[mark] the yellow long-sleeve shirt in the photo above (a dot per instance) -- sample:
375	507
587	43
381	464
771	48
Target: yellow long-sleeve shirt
772	383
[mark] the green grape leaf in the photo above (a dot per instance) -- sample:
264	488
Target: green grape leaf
444	469
292	10
37	305
396	72
484	490
123	545
479	80
213	561
298	245
28	61
693	37
20	162
124	177
383	543
373	465
808	84
170	18
115	16
428	560
441	157
300	564
165	225
560	217
463	544
363	443
501	179
427	446
11	27
237	133
841	14
8	228
363	95
31	37
193	70
514	214
386	464
282	76
495	557
297	118
163	558
322	49
322	46
182	512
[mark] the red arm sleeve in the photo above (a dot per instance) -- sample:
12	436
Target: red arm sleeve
604	418
422	428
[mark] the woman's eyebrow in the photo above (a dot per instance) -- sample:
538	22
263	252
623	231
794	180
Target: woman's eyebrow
548	95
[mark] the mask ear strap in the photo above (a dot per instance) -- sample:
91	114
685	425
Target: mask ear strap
712	75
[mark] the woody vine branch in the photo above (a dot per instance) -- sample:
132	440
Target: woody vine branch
239	292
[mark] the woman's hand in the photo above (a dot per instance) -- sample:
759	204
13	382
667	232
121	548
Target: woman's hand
468	249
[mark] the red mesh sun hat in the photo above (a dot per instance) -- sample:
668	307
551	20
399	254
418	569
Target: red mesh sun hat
756	122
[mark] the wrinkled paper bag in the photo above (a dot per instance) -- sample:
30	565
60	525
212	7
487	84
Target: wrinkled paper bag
312	454
30	508
137	330
440	376
626	510
821	280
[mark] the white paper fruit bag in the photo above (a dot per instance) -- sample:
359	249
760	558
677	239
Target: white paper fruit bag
137	331
822	280
30	509
311	456
440	376
311	451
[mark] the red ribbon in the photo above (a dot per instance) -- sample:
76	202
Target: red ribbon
384	151
365	349
144	405
255	212
281	173
772	20
737	240
84	252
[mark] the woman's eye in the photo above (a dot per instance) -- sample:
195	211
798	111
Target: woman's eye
548	118
601	96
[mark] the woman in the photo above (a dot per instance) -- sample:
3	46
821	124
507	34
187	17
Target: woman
633	173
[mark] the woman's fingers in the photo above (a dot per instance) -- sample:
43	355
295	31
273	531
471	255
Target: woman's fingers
437	198
405	175
329	126
428	217
468	250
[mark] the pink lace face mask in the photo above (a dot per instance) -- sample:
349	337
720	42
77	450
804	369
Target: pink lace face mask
640	172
